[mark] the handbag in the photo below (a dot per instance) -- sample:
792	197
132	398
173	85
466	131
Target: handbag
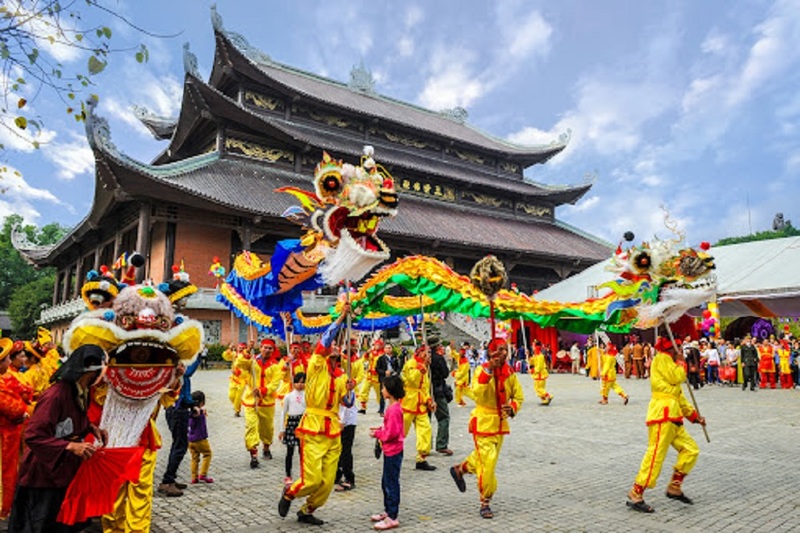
448	393
378	449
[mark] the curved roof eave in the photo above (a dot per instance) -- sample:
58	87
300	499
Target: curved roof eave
401	113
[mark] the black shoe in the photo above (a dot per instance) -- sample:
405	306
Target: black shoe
180	485
362	411
308	518
267	454
681	498
285	503
425	465
253	461
458	477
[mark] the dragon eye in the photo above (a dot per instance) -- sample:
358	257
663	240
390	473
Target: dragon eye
331	183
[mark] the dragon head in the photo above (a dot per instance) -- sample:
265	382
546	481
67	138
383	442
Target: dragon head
342	218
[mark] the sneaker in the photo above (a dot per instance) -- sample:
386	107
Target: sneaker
206	479
386	523
253	461
362	411
194	481
308	518
425	465
170	490
267	454
378	517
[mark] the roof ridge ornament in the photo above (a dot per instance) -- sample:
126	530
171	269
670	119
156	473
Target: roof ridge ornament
98	132
564	137
160	127
190	62
361	79
239	41
456	114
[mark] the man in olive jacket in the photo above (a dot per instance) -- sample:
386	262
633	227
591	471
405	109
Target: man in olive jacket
749	363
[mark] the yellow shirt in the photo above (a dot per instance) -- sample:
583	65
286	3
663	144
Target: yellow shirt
667	402
417	381
266	376
325	389
609	371
490	391
538	366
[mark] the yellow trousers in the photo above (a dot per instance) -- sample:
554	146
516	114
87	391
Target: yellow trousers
482	462
134	502
319	457
660	437
461	392
422	425
259	426
367	386
611	385
235	391
200	449
539	388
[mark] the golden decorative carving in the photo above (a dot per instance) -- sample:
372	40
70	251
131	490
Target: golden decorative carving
485	199
264	102
330	120
258	151
536	210
509	167
429	190
469	156
405	140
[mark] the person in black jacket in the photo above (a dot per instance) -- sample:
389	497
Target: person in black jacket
749	363
439	373
386	365
691	353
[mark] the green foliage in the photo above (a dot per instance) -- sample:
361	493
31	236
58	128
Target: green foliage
27	29
788	231
26	305
14	271
215	351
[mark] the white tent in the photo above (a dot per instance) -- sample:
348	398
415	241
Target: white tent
759	278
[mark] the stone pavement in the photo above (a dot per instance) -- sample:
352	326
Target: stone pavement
565	467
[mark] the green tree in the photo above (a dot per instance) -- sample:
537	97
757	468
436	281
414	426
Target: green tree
788	231
14	270
31	31
26	305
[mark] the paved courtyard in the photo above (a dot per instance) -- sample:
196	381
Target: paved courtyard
565	467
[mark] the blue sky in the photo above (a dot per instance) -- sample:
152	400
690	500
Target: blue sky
693	105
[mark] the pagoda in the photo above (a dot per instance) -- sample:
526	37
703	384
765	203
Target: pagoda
257	125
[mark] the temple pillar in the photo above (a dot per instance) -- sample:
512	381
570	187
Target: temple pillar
143	239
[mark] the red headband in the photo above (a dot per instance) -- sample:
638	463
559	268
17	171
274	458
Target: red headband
496	344
268	342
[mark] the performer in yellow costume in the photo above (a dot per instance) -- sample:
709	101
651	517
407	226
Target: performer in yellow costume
498	397
608	374
417	403
43	361
239	370
592	362
784	357
258	400
668	407
371	382
539	373
327	387
461	375
134	504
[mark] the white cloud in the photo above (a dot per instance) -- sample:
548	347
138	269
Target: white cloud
160	95
526	36
18	196
530	136
405	46
453	82
715	44
413	16
72	158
